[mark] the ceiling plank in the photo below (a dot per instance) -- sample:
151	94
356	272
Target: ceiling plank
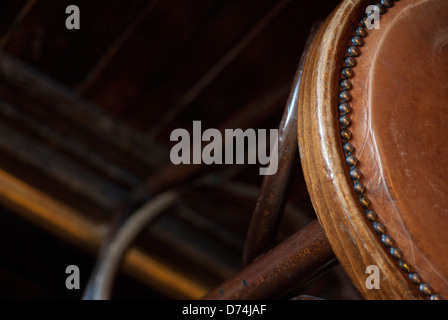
72	226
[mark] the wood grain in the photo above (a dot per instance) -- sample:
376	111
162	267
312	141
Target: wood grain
72	226
351	236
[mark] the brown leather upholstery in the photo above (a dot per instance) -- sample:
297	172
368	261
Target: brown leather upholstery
400	131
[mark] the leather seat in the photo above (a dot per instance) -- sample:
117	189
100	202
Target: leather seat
400	133
377	168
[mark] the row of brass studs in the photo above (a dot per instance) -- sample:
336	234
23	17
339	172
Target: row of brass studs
345	121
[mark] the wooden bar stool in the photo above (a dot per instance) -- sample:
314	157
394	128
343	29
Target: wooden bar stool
372	109
373	141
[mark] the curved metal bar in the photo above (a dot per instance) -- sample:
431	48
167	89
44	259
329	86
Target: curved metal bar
101	281
126	224
274	190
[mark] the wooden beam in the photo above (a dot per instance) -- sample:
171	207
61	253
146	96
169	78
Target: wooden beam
72	226
71	114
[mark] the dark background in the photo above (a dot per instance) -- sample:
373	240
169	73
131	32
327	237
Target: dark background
150	67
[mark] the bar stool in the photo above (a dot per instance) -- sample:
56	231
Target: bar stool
373	140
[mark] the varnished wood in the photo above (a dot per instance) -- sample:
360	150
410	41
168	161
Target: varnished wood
296	260
275	188
351	236
400	135
135	64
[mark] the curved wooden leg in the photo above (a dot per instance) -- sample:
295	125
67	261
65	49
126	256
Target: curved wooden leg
275	188
296	260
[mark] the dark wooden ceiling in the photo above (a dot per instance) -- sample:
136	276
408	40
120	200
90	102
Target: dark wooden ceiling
85	119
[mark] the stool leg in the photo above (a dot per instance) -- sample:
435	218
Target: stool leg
295	261
275	188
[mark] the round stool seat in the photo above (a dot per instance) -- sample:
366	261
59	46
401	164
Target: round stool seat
373	141
400	131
